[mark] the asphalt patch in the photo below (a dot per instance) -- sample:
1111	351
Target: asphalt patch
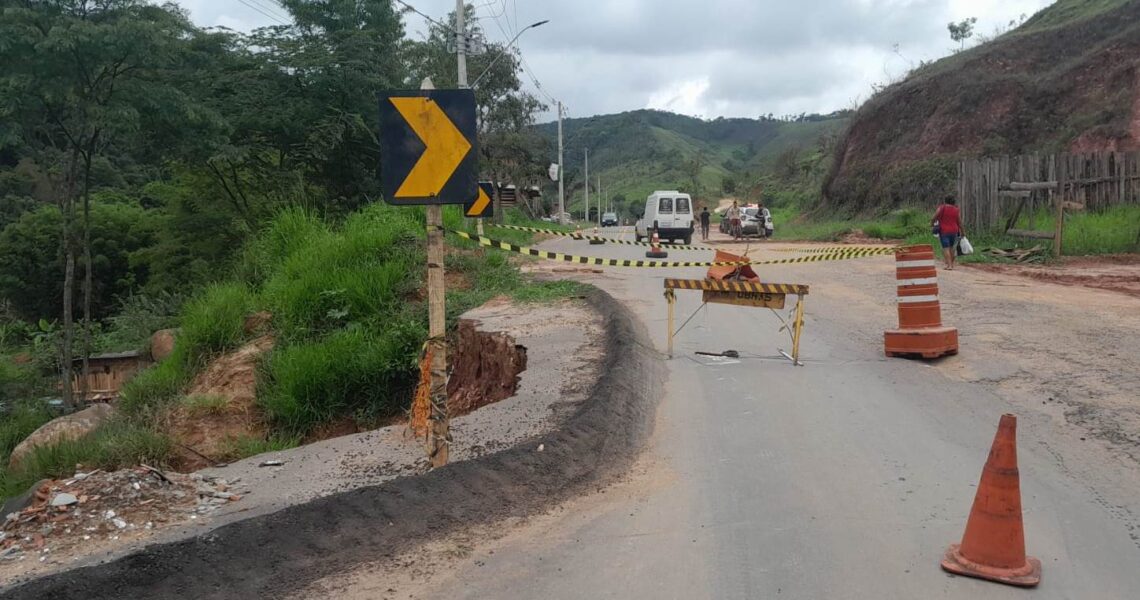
273	555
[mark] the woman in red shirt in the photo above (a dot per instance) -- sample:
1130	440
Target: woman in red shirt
948	222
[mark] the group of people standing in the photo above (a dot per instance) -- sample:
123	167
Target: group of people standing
735	217
946	224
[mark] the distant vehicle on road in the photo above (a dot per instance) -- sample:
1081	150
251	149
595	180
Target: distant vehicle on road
609	219
757	222
670	214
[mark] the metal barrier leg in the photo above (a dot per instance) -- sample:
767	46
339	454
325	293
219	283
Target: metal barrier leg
797	329
672	299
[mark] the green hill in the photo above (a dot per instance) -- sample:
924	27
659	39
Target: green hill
640	151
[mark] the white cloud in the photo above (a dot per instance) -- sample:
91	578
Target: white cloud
713	57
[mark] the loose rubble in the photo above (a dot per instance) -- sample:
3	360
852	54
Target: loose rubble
68	516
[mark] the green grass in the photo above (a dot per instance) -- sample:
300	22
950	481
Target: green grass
114	445
548	291
246	446
212	323
1114	231
24	418
204	404
367	372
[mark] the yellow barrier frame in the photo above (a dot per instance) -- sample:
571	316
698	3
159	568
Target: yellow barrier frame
770	294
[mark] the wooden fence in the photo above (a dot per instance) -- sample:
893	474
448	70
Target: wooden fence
989	192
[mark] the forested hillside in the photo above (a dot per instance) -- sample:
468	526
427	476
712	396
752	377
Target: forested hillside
1064	80
637	152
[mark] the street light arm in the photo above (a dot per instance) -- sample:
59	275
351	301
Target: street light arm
509	44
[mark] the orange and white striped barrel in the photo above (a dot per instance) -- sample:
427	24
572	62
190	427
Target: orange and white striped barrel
917	281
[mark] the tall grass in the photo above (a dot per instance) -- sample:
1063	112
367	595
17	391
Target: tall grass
1113	231
113	445
349	276
212	323
19	422
367	372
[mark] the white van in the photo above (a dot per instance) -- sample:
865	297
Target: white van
670	214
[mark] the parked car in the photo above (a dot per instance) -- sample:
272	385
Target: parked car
609	219
670	214
756	223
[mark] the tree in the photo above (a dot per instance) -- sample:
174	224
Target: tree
32	263
77	74
509	147
962	30
728	185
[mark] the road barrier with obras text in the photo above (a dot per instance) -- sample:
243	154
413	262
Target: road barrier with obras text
742	293
614	262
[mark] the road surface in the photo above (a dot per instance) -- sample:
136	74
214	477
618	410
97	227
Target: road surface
844	478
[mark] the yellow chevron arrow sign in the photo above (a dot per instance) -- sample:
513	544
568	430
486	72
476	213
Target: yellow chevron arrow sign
481	206
427	143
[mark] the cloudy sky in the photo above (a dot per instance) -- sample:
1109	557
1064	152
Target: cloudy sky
705	58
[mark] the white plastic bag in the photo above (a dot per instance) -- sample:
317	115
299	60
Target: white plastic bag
965	246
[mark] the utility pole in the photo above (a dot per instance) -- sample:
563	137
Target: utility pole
439	436
561	168
587	212
600	196
461	58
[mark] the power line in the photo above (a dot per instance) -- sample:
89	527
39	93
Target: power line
522	59
418	12
257	8
272	6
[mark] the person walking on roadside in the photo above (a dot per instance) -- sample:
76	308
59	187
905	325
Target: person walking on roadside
733	216
705	224
948	223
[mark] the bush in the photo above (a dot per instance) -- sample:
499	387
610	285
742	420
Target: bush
138	317
367	371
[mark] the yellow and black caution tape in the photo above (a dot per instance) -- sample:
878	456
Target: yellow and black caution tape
743	287
838	249
581	236
613	262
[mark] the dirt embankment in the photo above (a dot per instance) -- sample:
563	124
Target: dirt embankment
1058	82
270	555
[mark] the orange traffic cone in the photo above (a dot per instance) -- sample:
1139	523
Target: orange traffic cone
655	250
920	331
597	238
577	232
993	546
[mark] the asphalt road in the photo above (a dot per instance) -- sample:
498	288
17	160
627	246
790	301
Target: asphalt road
844	478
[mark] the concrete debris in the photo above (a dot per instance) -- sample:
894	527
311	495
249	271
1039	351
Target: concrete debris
64	499
90	510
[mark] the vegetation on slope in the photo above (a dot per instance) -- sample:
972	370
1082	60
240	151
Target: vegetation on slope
1063	80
